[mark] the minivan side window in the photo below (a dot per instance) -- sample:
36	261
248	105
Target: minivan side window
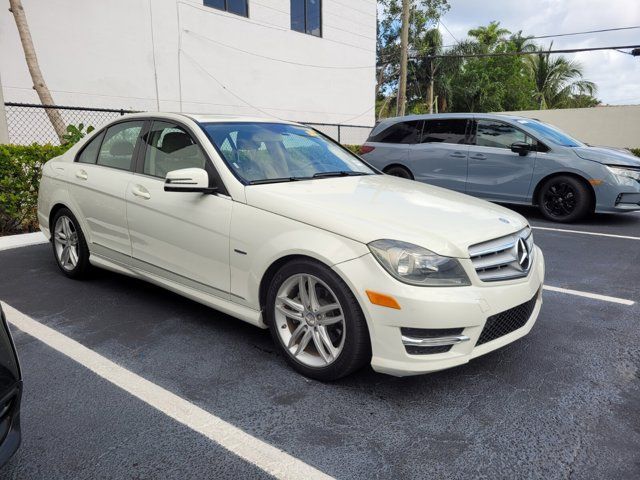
119	145
401	132
170	147
451	130
492	133
89	153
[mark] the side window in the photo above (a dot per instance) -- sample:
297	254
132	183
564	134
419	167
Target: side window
491	133
444	131
306	16
170	147
90	152
119	144
402	132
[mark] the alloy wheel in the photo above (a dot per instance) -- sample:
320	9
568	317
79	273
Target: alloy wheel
65	239
309	320
560	199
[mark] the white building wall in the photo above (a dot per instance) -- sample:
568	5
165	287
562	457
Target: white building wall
178	55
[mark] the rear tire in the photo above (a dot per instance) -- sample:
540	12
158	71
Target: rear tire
564	199
399	171
318	341
69	245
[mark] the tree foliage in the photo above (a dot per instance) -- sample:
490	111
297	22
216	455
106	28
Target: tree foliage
475	84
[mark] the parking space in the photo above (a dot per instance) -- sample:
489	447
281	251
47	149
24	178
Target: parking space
562	402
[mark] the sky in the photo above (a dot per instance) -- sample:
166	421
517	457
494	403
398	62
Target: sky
617	75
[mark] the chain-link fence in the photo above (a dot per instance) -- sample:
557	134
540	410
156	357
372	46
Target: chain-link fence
28	123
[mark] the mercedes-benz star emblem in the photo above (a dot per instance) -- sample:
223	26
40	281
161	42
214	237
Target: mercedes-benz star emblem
522	253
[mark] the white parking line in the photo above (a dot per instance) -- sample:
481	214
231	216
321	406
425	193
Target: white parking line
627	237
22	240
595	296
261	454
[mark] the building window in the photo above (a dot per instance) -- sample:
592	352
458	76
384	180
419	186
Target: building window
306	16
239	7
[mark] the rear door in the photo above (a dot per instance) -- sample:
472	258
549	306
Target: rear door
440	156
495	172
98	180
182	236
391	145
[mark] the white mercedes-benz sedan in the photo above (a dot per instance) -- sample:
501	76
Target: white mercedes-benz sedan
275	224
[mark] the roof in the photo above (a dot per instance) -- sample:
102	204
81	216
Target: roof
205	118
436	116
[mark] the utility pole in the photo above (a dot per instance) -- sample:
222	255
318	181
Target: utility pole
34	68
431	85
404	58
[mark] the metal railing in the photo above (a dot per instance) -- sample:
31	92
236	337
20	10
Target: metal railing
28	123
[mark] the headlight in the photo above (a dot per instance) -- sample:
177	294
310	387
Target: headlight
418	266
625	172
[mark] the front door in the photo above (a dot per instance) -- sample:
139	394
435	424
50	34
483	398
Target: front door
440	156
495	172
181	236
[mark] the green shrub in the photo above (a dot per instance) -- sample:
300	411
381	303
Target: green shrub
354	148
635	151
20	167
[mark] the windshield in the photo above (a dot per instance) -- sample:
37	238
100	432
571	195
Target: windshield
551	133
272	152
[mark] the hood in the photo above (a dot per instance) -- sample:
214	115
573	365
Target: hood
609	156
373	207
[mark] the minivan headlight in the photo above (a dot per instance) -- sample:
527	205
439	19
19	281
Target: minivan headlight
418	266
624	172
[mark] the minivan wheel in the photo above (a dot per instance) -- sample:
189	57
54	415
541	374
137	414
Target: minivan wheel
316	321
69	246
564	199
399	171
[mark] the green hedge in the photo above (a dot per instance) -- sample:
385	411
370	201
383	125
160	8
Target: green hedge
354	148
635	151
20	167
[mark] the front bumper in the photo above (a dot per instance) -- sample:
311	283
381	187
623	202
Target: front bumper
451	308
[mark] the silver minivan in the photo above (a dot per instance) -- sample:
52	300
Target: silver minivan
507	159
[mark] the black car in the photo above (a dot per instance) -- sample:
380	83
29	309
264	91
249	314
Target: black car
10	394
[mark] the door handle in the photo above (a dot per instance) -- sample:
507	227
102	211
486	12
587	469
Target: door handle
140	191
479	156
82	175
458	155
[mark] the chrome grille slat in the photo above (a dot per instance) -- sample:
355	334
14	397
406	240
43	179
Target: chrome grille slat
497	259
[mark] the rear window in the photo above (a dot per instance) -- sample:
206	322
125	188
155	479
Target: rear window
444	131
402	132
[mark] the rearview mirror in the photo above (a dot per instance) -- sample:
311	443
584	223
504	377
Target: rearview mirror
521	148
188	180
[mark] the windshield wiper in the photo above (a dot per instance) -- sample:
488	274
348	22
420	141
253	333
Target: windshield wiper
341	173
275	180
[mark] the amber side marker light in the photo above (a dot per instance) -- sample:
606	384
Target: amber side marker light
382	300
595	182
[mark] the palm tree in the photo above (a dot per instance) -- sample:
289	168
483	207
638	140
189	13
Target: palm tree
557	80
34	68
490	35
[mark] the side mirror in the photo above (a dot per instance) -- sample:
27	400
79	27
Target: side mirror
188	180
521	148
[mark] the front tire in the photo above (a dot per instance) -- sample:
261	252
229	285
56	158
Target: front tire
564	199
69	245
316	321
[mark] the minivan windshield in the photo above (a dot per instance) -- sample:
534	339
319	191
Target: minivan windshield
277	152
551	133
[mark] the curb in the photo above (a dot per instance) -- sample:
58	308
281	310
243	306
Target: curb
22	240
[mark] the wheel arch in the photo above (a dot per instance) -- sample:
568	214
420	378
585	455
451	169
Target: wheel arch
584	181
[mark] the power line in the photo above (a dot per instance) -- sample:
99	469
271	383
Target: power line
586	32
544	52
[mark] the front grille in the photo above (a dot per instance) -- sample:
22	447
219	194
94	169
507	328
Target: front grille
508	321
503	258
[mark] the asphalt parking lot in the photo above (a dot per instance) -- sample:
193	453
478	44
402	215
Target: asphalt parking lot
563	402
